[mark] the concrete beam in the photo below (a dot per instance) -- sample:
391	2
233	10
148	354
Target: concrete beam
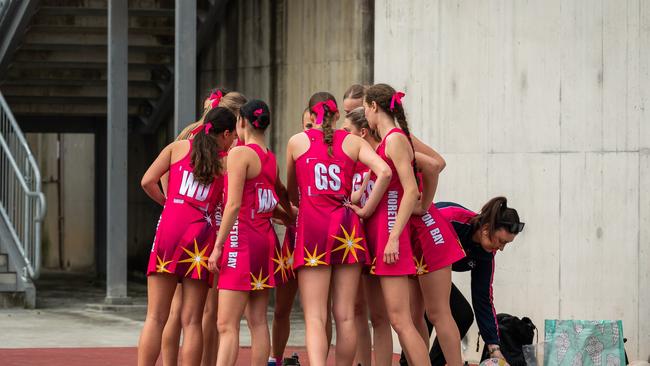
67	11
74	82
73	100
136	92
91	47
76	56
78	74
117	147
81	37
64	28
101	21
69	65
18	16
185	65
58	109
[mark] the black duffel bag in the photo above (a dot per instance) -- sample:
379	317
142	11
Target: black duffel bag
514	333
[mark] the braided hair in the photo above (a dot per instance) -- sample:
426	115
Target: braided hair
330	110
383	95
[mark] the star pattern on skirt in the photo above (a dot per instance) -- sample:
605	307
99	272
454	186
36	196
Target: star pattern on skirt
197	258
259	283
350	243
314	259
420	266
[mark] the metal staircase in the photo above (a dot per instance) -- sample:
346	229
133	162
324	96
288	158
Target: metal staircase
22	207
57	68
53	71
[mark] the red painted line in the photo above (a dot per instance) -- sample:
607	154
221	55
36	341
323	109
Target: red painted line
108	356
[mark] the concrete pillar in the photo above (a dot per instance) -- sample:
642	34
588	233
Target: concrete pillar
184	65
117	138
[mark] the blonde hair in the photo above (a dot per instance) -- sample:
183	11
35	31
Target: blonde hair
231	101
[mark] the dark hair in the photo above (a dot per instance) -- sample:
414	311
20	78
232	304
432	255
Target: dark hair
206	164
233	101
257	113
358	118
355	91
496	215
302	116
328	118
382	94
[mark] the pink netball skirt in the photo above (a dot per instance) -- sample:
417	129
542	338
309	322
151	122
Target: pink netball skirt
283	258
246	261
337	237
184	240
377	232
435	243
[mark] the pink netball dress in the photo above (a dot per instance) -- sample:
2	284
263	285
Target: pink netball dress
188	224
379	225
246	261
283	257
360	172
328	233
435	243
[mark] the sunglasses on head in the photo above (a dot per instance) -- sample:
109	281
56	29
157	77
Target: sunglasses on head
513	227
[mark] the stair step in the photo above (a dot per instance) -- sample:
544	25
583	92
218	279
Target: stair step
4	263
8	282
12	300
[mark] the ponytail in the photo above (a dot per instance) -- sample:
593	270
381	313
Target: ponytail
400	117
206	164
323	105
496	215
390	101
257	113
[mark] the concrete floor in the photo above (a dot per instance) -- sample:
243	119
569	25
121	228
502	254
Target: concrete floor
70	314
71	326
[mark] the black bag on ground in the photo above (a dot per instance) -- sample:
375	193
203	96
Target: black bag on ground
513	333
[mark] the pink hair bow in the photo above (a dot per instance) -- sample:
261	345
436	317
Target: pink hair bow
319	109
258	112
208	126
397	98
215	98
197	129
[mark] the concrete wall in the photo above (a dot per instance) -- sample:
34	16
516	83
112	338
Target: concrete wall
76	180
284	51
543	102
44	147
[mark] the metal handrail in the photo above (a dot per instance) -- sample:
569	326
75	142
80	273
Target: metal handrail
22	202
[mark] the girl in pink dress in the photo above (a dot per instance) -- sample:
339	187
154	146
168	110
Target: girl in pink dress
231	100
387	229
246	239
330	246
371	298
435	248
185	232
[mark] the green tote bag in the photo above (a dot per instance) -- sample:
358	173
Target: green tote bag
583	342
